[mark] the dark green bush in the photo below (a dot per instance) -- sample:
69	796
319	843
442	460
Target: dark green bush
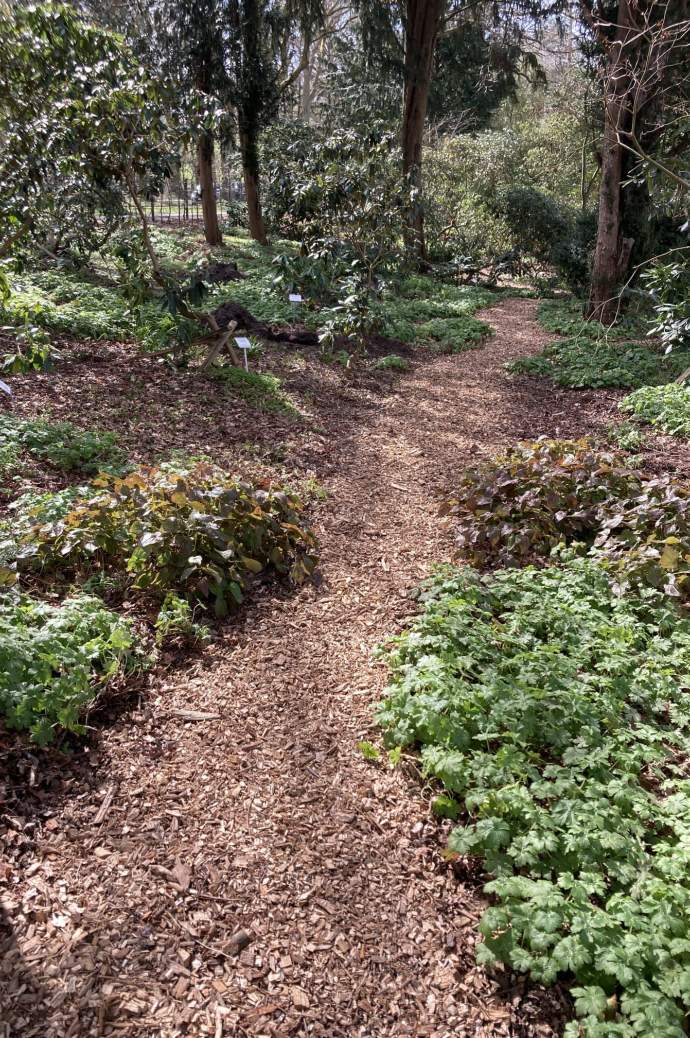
548	231
194	531
53	659
537	221
557	714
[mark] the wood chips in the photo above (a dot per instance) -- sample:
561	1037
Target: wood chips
219	859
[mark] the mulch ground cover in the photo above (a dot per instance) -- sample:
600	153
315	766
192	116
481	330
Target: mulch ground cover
218	858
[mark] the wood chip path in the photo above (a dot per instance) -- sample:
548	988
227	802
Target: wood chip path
223	860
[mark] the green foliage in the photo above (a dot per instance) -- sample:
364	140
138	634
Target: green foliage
53	659
535	141
445	807
33	350
594	357
564	317
79	118
624	436
32	354
542	228
60	444
668	285
72	305
582	363
432	313
261	391
392	362
194	531
369	751
26	511
343	199
454	334
667	407
556	712
535	218
175	622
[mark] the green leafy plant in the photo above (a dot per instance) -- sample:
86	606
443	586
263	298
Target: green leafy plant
369	751
392	362
518	507
594	357
33	349
25	512
197	532
624	436
61	444
667	407
260	390
581	363
53	659
668	285
454	334
564	317
556	712
175	622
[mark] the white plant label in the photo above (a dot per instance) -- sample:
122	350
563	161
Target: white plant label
244	344
294	297
5	388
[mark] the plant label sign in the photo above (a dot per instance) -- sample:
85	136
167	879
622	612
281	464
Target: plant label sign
295	297
5	388
244	344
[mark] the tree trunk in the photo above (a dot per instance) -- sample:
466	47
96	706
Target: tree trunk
208	196
423	18
250	170
621	231
603	303
305	100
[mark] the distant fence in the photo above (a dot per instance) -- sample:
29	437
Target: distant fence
182	204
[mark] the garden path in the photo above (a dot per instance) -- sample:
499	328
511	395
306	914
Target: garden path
233	865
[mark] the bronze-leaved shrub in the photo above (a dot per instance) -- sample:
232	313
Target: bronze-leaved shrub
520	505
196	531
516	508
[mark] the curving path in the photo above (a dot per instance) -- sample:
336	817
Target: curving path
225	861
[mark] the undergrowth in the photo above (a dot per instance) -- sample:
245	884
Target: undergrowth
392	362
90	305
517	507
60	444
666	407
587	363
53	658
556	712
625	436
260	390
594	357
